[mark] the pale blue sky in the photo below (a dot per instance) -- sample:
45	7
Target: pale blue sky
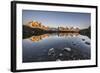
55	19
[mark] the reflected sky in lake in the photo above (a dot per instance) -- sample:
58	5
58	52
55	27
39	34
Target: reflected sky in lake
56	47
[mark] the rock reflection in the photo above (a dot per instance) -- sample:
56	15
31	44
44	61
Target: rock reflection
68	34
38	38
41	37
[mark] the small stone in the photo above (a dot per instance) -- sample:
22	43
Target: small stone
67	49
87	43
83	39
58	60
60	54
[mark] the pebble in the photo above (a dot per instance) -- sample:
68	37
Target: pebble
68	49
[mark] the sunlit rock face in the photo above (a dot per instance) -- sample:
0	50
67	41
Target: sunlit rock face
36	24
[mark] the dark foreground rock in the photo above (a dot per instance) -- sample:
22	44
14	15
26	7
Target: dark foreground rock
66	54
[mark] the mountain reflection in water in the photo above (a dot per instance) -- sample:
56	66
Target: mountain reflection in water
56	47
44	36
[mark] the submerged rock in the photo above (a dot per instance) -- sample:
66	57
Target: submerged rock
73	43
83	39
88	43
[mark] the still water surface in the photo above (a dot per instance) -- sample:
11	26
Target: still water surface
56	47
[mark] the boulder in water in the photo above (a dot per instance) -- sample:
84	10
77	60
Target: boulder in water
60	54
67	49
58	60
51	52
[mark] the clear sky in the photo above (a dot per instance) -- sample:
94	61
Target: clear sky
55	19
